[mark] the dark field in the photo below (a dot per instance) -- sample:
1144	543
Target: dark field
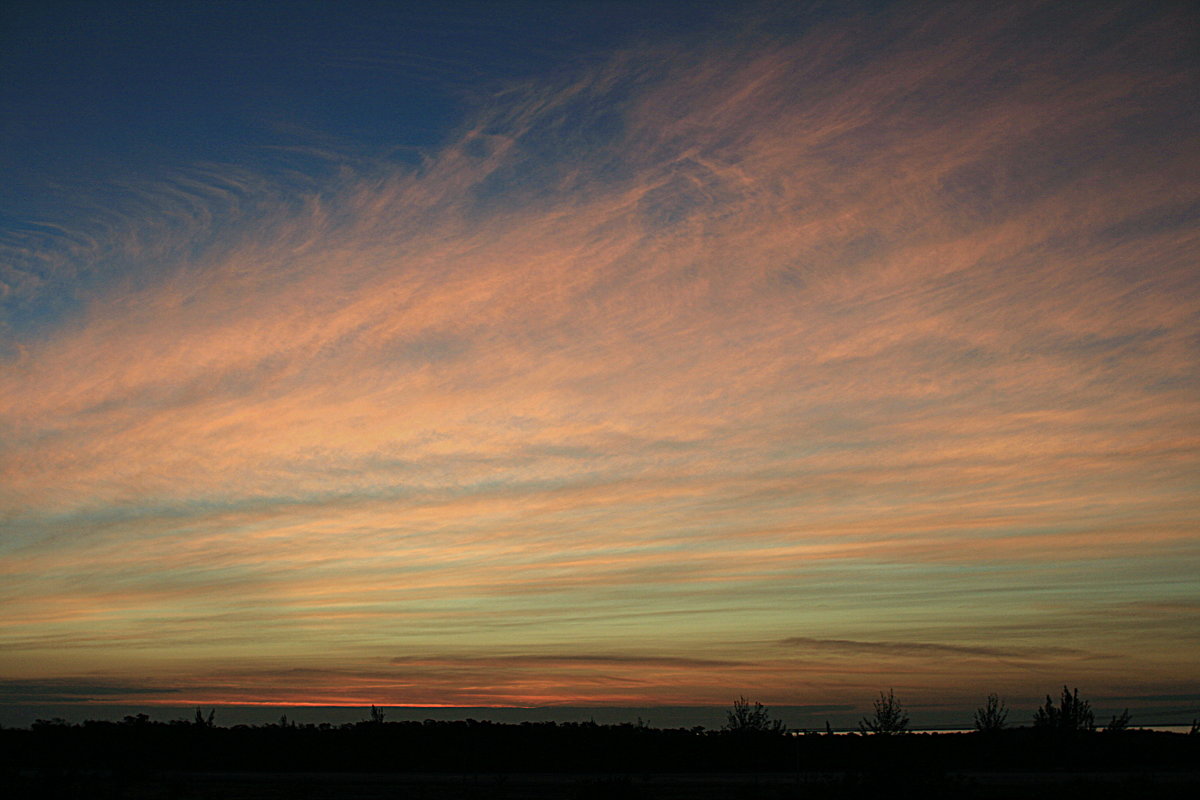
540	786
142	759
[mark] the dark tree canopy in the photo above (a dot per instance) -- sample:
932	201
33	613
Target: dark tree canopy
991	717
1070	715
889	717
744	718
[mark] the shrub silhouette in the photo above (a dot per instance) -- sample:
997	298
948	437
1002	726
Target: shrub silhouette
1118	722
746	719
889	718
992	717
1070	716
895	766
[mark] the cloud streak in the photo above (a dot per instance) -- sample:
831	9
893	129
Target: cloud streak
851	647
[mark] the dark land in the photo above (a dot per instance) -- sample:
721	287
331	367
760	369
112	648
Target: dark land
140	758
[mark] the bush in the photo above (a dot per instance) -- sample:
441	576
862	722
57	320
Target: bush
746	719
1070	716
992	717
1118	722
889	718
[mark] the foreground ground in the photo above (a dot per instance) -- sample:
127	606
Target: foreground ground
139	759
542	786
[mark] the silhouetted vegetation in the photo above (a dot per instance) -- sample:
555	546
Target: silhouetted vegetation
889	718
993	716
744	719
597	760
1119	722
1071	715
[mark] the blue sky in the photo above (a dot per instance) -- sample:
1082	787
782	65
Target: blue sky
109	89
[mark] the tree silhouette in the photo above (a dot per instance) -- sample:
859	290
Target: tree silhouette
1071	715
889	718
991	717
744	718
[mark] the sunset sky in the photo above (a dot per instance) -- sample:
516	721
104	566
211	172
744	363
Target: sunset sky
600	353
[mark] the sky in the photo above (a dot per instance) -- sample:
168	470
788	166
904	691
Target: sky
596	354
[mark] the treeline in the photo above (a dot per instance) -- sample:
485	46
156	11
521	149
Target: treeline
138	744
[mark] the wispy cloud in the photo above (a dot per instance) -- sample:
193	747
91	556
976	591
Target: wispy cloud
851	647
75	690
893	318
